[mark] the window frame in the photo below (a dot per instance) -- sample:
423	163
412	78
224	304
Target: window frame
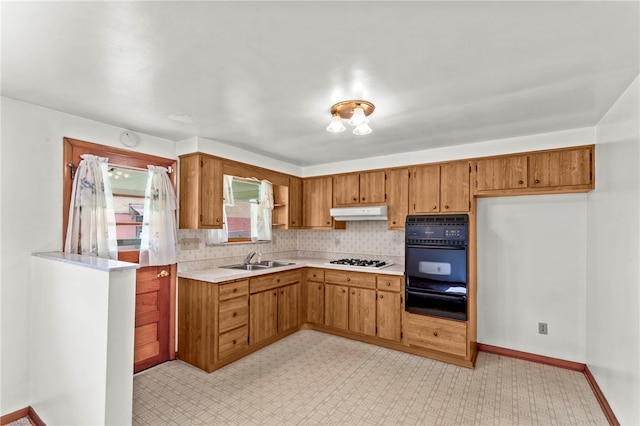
74	148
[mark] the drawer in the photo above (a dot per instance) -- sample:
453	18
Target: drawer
267	282
233	289
352	279
315	274
389	283
233	313
233	342
437	334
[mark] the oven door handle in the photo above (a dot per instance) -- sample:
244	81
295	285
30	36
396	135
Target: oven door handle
441	296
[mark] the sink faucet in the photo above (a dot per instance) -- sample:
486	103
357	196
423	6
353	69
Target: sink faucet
249	257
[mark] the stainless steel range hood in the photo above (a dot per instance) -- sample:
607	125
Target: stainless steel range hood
359	213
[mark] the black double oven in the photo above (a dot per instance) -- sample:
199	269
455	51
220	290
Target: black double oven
436	265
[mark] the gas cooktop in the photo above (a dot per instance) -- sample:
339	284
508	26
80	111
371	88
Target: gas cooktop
361	263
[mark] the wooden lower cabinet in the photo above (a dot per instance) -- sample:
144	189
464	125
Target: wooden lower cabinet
336	306
362	311
438	334
314	296
288	307
264	316
388	315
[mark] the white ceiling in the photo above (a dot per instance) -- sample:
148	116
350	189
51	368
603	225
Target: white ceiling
262	76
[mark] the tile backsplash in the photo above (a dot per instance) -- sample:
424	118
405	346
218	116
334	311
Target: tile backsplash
369	239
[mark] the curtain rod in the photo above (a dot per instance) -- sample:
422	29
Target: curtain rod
73	168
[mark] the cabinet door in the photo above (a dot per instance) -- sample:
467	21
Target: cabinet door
362	311
424	189
346	189
288	307
336	306
560	168
315	302
454	187
295	202
389	314
501	173
372	187
316	194
210	192
397	188
263	316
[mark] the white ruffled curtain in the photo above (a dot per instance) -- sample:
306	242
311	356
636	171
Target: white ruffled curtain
159	240
92	222
261	213
218	236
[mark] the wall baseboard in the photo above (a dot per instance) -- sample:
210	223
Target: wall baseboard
28	412
561	363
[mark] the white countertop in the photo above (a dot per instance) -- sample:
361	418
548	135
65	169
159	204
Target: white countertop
216	275
93	262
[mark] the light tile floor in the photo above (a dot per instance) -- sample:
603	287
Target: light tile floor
313	378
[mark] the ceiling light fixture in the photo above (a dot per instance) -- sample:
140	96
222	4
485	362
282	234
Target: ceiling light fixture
356	112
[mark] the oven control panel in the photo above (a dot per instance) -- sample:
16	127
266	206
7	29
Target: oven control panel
439	229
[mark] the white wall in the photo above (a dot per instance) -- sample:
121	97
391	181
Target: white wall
531	269
81	343
613	271
31	218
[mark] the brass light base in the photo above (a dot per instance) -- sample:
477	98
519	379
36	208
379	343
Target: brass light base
345	108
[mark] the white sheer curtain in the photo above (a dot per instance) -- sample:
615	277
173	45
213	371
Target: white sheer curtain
92	222
261	213
159	240
218	236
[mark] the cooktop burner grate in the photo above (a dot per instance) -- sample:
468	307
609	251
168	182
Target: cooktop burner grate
362	263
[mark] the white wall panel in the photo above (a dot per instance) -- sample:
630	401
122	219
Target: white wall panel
531	269
613	271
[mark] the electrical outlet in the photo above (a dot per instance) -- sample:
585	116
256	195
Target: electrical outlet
542	328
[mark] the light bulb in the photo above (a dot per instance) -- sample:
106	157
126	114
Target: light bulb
336	125
358	116
362	129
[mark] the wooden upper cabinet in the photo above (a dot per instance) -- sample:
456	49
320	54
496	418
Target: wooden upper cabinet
454	187
316	196
346	189
552	171
295	202
424	189
501	173
440	188
201	200
560	168
397	193
359	188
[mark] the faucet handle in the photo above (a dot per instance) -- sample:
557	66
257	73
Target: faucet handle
259	257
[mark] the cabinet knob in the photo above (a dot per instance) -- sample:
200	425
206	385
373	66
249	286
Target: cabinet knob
319	287
348	279
394	222
344	290
235	290
235	314
355	199
281	291
234	341
218	219
293	222
537	181
163	274
382	296
363	199
275	293
446	207
328	222
520	182
353	292
388	284
278	280
435	333
434	207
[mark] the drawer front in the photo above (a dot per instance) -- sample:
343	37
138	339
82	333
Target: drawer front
352	279
233	313
315	274
389	283
233	342
267	282
234	289
437	334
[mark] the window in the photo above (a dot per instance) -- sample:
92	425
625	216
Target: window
128	187
245	193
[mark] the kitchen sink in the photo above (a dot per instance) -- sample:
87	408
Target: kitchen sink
265	264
